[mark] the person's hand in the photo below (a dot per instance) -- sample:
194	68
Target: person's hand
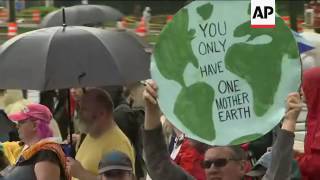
75	139
294	106
74	167
150	93
152	114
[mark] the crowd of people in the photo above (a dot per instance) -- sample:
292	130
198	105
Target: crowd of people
122	134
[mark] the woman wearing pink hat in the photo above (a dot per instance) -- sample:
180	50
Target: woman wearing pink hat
41	157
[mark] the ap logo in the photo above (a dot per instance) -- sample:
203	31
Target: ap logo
263	14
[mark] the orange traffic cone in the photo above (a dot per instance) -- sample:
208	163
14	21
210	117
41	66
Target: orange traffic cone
36	16
141	30
12	29
169	18
3	14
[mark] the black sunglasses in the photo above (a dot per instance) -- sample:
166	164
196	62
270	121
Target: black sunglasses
218	163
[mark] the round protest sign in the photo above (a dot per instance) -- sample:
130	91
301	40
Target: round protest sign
220	81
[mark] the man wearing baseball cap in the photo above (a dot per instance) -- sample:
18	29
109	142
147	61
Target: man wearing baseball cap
116	166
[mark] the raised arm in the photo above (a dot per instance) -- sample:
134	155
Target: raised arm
282	150
158	160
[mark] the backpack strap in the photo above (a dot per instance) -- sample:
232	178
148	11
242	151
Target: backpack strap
46	145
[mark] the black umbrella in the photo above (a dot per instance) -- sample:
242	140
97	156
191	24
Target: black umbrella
82	15
58	58
73	56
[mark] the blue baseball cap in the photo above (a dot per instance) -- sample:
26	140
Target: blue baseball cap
115	160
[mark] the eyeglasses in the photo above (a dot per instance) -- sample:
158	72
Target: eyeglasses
218	163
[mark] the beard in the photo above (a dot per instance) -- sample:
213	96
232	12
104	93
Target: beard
82	126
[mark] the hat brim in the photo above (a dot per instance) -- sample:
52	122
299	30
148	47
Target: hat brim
110	168
18	117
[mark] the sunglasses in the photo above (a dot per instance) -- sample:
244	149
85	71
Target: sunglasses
218	163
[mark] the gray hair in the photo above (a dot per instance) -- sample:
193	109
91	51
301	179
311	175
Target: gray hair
238	152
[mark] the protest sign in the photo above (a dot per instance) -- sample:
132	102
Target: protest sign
220	81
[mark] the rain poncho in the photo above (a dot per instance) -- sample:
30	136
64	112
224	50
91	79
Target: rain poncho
309	162
12	151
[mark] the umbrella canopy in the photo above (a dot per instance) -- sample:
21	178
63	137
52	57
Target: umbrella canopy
82	15
73	56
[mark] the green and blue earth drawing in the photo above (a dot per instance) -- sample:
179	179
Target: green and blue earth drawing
220	81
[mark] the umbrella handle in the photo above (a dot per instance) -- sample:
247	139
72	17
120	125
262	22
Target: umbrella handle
64	18
72	149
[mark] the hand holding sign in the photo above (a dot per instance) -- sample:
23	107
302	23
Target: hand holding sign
153	113
150	94
294	107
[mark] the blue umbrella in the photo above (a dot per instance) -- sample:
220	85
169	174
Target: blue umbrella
303	44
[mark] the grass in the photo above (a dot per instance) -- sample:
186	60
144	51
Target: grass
20	30
152	38
159	19
43	10
114	24
157	23
110	24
